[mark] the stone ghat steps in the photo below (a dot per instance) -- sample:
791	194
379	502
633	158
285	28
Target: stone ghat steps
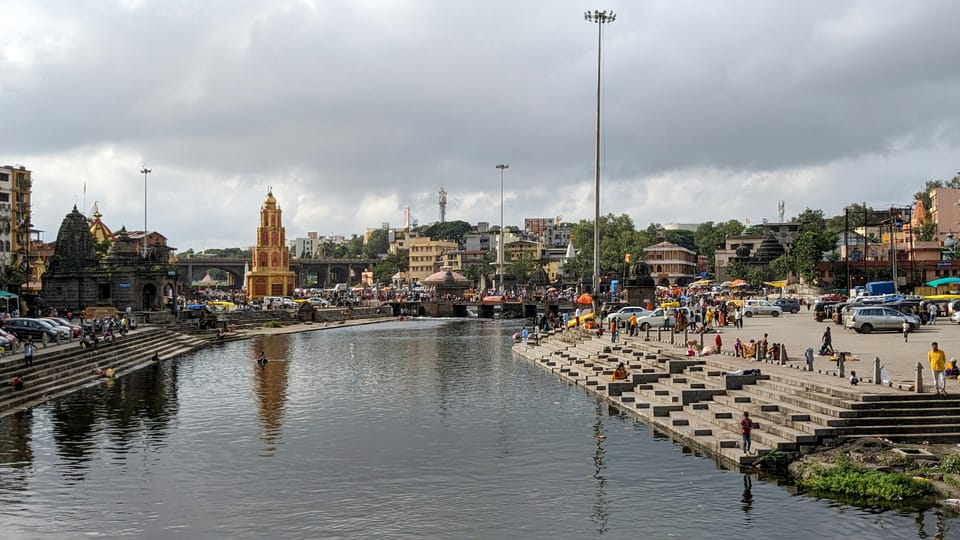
688	396
63	374
851	414
47	375
693	430
721	438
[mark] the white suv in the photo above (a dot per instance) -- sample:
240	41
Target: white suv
760	307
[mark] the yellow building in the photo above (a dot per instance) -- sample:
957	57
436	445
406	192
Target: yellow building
426	255
271	275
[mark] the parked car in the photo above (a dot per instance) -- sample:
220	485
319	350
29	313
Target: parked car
75	329
753	307
788	304
655	318
822	310
25	328
316	301
8	341
869	318
624	314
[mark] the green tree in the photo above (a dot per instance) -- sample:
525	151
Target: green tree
736	269
378	244
390	265
810	220
521	267
353	248
682	238
757	274
617	238
449	230
782	266
475	271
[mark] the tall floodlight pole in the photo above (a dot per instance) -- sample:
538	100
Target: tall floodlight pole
501	166
599	17
145	171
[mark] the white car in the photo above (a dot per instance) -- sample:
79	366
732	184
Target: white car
316	301
623	315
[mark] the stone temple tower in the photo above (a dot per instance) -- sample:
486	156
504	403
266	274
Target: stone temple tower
270	275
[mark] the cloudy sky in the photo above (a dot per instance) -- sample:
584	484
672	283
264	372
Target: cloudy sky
353	110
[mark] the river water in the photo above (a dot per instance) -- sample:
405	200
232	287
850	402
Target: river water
417	429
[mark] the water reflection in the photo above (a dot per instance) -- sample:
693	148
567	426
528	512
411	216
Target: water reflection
600	513
270	386
746	499
135	409
16	453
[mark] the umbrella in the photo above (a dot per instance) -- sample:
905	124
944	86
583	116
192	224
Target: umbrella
584	299
725	284
552	289
943	281
739	283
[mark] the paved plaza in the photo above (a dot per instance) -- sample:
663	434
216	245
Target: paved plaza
797	332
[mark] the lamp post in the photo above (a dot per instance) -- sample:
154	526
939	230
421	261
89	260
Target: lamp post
599	17
501	166
145	171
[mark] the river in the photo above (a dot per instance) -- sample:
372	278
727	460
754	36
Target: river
417	429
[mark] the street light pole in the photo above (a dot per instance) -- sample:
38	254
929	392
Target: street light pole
501	166
599	17
145	171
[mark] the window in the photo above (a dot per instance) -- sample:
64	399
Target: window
4	197
4	177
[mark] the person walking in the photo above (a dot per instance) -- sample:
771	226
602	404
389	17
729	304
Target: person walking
746	426
938	365
28	349
906	330
718	341
826	342
524	334
738	318
934	311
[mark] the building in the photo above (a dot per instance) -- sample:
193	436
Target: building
426	255
945	212
270	275
537	226
671	264
308	247
76	278
16	186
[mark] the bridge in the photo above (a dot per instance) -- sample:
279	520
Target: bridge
325	272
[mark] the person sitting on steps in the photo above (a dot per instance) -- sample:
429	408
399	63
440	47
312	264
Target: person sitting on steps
620	374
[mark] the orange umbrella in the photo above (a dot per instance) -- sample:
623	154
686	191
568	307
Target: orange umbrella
738	283
584	299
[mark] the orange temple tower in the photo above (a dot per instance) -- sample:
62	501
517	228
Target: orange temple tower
271	275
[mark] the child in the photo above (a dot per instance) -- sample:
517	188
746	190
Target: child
853	378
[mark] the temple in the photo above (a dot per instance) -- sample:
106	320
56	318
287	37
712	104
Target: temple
271	274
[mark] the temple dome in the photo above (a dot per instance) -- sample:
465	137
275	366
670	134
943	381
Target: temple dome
269	199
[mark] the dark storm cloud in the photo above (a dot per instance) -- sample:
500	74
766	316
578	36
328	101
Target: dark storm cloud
335	104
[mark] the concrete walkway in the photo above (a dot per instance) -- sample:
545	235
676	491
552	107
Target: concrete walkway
797	332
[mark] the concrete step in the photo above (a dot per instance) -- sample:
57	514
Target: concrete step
811	403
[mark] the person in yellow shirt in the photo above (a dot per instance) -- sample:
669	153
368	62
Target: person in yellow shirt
620	374
938	365
632	325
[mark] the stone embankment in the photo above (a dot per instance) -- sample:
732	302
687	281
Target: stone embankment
62	368
698	403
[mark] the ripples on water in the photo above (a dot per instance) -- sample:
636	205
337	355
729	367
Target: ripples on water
422	429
